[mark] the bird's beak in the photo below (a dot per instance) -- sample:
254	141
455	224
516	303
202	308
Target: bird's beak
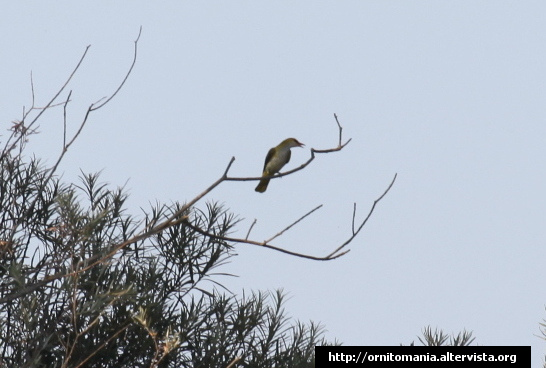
301	144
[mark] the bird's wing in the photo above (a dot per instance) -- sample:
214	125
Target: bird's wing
269	156
288	157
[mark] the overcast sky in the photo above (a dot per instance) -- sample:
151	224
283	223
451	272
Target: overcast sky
450	95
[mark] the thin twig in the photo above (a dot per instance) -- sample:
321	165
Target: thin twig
292	224
32	89
46	107
278	175
366	219
53	169
340	128
126	75
262	244
250	228
339	147
64	118
167	223
179	217
333	255
353	222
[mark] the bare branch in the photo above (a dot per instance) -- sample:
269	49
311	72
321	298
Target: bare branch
292	224
262	244
228	167
353	222
94	106
53	169
333	255
339	144
339	147
64	118
32	89
365	220
124	79
50	103
250	228
278	175
179	216
168	222
340	128
10	145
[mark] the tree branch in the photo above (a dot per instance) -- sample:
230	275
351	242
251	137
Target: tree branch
338	252
262	244
292	224
9	146
355	233
169	221
42	109
82	124
92	108
179	216
249	229
339	147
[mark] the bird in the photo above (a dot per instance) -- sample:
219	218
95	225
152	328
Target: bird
276	158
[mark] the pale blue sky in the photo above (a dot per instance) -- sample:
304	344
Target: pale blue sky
450	95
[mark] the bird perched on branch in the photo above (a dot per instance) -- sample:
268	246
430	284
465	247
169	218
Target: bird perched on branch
276	158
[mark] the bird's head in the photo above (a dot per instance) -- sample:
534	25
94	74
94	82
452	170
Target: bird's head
292	142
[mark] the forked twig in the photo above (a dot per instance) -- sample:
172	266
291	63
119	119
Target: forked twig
355	233
120	86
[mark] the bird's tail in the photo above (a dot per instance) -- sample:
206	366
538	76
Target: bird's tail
262	185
